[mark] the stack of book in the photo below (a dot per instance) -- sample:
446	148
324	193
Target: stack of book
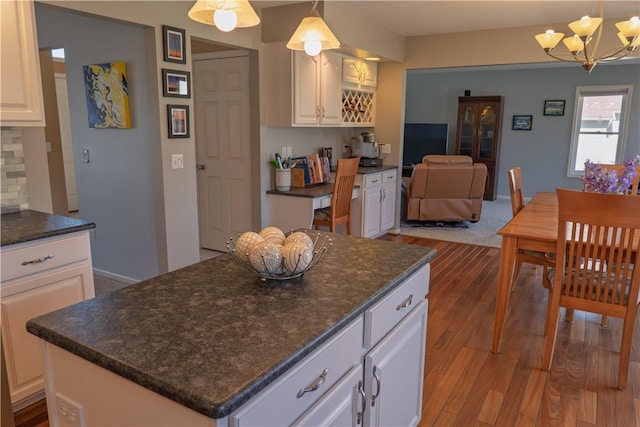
309	170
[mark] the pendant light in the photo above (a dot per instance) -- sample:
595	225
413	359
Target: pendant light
226	15
313	35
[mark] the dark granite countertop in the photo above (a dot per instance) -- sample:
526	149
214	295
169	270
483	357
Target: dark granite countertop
211	335
373	169
27	225
320	190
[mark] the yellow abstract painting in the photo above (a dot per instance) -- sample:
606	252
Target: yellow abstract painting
107	94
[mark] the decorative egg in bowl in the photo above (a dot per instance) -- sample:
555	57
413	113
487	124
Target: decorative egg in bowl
274	255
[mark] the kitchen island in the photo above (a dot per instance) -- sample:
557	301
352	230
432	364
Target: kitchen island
212	344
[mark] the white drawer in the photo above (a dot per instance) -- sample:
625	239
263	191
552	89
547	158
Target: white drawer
372	180
386	314
278	404
54	252
389	176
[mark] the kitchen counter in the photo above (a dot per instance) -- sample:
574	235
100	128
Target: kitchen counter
27	225
373	169
212	335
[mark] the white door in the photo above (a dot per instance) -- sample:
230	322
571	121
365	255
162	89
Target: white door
221	96
62	98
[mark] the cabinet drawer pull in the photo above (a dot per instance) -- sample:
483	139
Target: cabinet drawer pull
314	385
38	260
364	403
373	181
378	386
405	303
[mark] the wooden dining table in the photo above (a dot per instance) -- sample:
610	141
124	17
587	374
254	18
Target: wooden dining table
534	228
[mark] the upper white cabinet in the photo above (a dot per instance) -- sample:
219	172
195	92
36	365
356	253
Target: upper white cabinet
21	101
359	72
305	90
317	89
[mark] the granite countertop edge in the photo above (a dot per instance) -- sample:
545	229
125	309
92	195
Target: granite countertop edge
216	409
30	225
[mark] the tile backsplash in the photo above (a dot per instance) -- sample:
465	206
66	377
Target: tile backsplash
13	178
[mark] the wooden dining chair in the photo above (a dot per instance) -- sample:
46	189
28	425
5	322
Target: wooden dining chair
596	264
524	256
339	212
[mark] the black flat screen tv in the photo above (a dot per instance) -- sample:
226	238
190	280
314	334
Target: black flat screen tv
421	139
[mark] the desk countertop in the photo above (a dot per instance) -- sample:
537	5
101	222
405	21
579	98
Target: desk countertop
211	335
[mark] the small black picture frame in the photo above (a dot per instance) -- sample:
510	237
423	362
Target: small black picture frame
522	122
176	83
178	120
175	46
554	107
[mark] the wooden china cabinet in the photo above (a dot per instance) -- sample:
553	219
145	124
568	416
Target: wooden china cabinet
478	135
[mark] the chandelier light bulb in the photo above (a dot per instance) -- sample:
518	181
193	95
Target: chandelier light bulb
225	20
312	47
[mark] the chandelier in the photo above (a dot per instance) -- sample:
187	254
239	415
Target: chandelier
313	35
226	15
582	45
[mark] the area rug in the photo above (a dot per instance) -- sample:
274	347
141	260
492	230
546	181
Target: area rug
495	214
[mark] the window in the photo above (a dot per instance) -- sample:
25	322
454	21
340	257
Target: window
599	126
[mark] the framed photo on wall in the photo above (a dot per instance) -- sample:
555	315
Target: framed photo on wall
554	107
175	46
176	83
522	122
178	119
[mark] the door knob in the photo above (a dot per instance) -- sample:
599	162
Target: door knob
200	167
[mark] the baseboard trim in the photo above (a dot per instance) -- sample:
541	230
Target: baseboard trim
113	276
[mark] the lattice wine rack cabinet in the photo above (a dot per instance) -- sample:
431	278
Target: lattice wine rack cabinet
357	107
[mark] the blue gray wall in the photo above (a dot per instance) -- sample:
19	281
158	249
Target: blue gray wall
543	152
118	189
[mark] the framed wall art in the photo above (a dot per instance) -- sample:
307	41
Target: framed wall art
175	46
522	122
107	95
176	83
178	119
554	107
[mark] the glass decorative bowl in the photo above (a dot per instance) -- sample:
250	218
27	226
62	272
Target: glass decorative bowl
296	263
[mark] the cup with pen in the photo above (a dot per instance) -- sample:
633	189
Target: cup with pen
283	173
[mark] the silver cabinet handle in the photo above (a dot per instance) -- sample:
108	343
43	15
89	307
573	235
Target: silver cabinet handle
405	303
377	378
314	385
324	112
38	260
360	416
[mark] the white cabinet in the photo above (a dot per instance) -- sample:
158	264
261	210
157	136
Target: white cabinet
317	89
305	90
38	277
21	102
359	72
375	212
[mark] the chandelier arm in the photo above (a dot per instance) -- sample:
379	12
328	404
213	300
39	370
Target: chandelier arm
594	50
564	57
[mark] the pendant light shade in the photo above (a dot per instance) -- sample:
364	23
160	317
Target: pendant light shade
224	14
312	36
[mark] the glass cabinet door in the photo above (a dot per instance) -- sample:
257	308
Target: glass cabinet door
467	130
486	132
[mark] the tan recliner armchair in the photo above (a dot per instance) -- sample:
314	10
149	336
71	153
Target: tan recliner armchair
444	188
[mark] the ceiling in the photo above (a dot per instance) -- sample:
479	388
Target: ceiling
424	17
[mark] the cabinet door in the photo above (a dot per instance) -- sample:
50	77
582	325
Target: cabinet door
21	95
388	208
341	406
371	206
467	117
330	89
394	371
23	354
306	77
487	131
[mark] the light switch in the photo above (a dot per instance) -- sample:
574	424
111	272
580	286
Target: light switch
386	148
177	161
85	156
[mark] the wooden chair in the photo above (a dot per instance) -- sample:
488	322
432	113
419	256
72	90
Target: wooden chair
339	212
524	256
596	265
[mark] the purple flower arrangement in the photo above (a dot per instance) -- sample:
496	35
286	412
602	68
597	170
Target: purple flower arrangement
601	180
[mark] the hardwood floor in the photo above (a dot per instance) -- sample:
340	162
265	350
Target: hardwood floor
467	385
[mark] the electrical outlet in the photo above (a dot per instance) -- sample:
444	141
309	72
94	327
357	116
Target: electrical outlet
386	148
70	413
